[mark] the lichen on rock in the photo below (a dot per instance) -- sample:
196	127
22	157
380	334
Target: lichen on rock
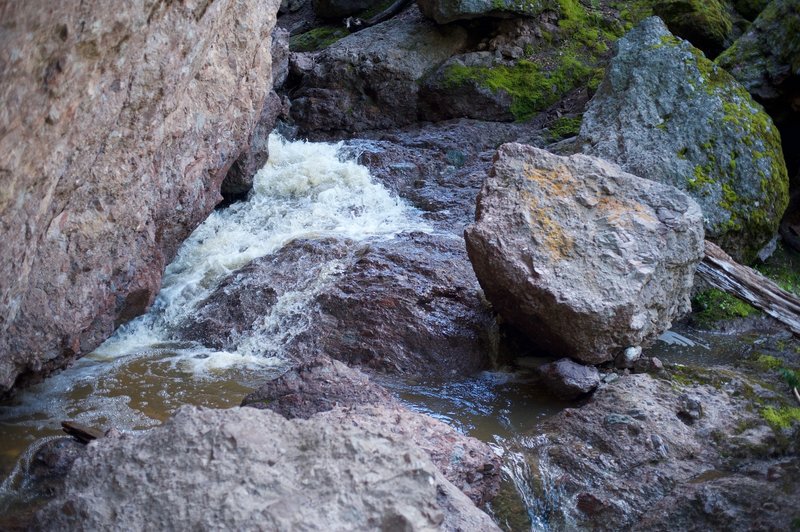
667	113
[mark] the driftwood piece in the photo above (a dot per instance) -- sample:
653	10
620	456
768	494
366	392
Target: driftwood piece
80	432
720	271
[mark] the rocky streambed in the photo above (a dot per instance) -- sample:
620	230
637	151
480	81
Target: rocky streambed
326	351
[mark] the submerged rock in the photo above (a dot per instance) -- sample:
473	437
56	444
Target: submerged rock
328	389
409	305
584	258
252	469
370	79
667	113
120	121
569	380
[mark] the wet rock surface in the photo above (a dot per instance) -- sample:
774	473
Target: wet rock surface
584	258
569	380
259	470
407	306
328	389
120	123
634	457
666	113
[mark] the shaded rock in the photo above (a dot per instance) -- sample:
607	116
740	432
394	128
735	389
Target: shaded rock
343	8
444	11
370	79
750	9
327	388
569	380
706	24
666	113
258	471
766	59
120	122
585	259
626	460
409	305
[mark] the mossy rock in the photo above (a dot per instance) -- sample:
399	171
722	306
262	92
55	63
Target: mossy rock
559	62
706	24
316	39
667	113
750	9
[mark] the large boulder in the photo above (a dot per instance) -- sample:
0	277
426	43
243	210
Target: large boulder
119	122
248	469
583	257
408	306
444	11
667	113
327	388
371	78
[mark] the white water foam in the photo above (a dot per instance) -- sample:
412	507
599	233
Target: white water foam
304	191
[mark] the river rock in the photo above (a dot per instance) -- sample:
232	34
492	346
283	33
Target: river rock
327	388
569	380
444	11
370	79
408	306
666	113
257	470
119	122
628	459
584	258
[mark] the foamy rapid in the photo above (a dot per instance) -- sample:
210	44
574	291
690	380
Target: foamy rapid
304	191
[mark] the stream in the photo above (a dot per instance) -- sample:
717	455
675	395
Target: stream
142	374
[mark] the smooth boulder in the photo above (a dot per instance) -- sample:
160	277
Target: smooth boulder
667	113
569	380
120	121
584	258
248	469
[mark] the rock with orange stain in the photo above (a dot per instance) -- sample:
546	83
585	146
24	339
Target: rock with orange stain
584	258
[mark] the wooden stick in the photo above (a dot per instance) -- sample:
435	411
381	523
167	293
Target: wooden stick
722	272
80	432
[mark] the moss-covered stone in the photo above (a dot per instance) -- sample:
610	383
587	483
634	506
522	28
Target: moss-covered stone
706	24
712	306
564	127
781	417
750	9
668	113
316	39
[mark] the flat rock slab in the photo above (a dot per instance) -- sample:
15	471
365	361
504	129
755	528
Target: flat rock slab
584	258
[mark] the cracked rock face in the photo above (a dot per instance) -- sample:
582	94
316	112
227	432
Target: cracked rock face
119	123
584	258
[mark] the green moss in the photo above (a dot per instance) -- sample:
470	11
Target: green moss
783	267
564	127
768	362
711	306
781	418
316	39
531	87
705	23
